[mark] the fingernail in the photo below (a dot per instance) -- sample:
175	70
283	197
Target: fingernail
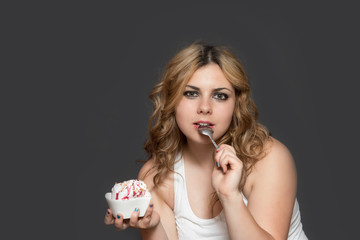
151	205
136	209
118	216
108	212
217	164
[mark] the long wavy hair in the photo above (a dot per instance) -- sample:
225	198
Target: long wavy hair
166	141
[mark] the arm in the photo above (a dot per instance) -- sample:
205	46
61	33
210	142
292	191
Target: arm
166	228
271	194
159	221
157	232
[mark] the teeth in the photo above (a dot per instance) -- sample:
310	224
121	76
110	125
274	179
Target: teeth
203	124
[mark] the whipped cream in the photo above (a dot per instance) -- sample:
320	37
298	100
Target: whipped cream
129	190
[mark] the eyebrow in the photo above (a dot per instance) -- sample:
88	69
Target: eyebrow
216	89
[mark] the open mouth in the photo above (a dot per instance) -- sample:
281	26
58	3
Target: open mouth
203	125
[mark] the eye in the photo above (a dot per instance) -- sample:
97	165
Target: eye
220	96
191	94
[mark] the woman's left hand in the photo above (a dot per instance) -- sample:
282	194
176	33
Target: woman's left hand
227	171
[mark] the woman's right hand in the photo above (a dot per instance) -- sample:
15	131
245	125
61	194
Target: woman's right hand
149	220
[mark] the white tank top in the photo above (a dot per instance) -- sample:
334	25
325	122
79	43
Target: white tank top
189	226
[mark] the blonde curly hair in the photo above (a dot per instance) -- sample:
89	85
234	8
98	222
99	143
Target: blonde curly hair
166	141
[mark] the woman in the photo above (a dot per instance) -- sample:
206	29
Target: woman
245	189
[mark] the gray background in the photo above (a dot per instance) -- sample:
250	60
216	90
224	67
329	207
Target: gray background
76	101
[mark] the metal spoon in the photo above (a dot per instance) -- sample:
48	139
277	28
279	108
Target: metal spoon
208	132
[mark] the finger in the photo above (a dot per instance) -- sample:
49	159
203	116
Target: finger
224	157
224	161
145	221
217	157
227	159
231	161
149	211
224	146
229	148
119	222
134	218
221	159
109	218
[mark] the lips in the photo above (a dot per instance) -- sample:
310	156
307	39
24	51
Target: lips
201	124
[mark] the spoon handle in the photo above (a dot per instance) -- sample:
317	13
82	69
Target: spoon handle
212	140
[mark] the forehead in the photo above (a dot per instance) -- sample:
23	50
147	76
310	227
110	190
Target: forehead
209	76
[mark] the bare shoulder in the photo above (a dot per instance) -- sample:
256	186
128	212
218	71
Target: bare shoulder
271	189
277	158
147	173
275	167
280	158
165	190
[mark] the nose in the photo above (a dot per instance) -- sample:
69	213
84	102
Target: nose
204	107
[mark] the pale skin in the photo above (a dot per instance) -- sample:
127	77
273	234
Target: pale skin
270	188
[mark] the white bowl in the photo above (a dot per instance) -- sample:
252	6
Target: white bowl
127	207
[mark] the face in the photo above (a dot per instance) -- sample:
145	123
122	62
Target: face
209	98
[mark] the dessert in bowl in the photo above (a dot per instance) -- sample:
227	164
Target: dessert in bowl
127	196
